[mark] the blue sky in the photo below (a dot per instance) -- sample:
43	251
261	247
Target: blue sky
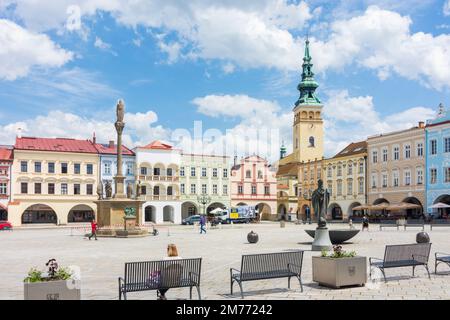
381	65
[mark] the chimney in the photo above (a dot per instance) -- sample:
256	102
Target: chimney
421	124
19	133
94	139
111	143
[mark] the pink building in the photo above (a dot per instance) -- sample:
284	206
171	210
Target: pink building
254	183
6	159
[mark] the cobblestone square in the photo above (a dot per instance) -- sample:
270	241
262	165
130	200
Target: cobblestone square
102	262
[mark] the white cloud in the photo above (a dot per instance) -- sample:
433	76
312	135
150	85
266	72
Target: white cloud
446	8
101	45
228	68
22	50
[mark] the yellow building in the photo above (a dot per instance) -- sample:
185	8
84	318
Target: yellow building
308	173
345	178
54	181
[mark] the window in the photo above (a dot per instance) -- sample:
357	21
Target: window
37	188
349	187
396	153
182	188
107	168
215	172
267	190
330	188
319	176
204	172
420	149
143	171
350	169
260	174
182	172
64	168
89	169
407	151
329	172
204	189
225	190
240	189
361	167
339	187
433	175
51	167
169	172
3	188
419	177
374	156
89	189
214	188
374	180
156	191
407	178
385	155
193	190
395	178
23	166
447	174
63	188
433	148
446	145
76	188
169	190
51	188
248	174
384	180
144	190
339	170
156	171
130	168
253	189
360	186
311	141
24	188
192	171
225	173
37	167
76	168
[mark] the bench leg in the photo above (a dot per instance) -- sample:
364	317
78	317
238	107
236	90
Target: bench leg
428	271
125	295
190	293
231	286
120	294
301	284
198	292
242	291
414	267
289	282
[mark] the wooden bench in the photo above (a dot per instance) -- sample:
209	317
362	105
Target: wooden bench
404	255
414	223
388	224
439	223
268	266
440	257
163	274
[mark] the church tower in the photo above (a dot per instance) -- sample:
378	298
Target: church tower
308	134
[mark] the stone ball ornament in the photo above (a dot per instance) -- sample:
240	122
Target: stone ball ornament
422	237
252	237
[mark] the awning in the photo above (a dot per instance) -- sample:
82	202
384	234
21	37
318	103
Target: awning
440	205
361	207
403	206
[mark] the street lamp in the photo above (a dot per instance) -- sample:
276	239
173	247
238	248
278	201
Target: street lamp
204	199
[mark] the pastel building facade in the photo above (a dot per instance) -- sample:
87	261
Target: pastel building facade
158	174
6	160
53	181
254	183
204	175
287	190
438	162
308	174
396	168
345	179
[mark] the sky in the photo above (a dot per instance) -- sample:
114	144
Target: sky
219	76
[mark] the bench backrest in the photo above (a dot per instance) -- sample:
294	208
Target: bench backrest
393	222
268	263
405	252
162	273
415	221
440	221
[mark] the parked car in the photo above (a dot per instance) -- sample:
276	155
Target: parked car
5	225
191	220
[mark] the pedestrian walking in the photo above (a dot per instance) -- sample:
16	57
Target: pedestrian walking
365	223
93	229
202	224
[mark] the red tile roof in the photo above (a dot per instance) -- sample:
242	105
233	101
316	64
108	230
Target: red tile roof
55	144
158	145
105	148
6	153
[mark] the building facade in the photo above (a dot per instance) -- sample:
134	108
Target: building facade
158	175
308	173
287	190
53	181
396	168
204	175
253	183
108	165
438	163
6	160
345	178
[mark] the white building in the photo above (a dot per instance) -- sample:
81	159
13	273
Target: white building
158	172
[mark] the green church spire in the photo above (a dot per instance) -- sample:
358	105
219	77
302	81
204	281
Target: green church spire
308	85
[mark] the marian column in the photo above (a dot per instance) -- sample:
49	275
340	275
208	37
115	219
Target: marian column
120	125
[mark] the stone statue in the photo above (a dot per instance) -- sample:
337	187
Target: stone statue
120	111
138	189
320	198
108	189
129	190
100	191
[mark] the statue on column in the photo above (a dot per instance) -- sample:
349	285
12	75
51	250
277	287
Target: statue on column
108	189
138	189
320	199
129	190
100	190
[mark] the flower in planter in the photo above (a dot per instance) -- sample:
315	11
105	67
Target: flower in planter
54	273
338	253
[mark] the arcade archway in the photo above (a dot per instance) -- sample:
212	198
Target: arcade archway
39	213
81	213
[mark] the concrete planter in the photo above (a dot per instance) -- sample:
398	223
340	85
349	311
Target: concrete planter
339	272
53	290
